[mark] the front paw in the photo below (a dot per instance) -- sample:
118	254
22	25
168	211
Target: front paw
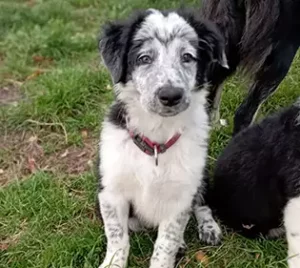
113	264
115	259
162	260
210	232
162	264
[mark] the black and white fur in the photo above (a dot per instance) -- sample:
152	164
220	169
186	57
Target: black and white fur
257	180
158	62
262	37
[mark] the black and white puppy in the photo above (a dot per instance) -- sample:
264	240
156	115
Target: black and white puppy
257	180
154	139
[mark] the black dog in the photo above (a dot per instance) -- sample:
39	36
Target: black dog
262	37
257	180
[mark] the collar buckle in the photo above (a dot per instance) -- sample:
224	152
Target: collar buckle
139	142
155	155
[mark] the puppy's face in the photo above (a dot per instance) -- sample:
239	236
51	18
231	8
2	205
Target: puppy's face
160	59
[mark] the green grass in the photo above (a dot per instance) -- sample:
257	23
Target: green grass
48	54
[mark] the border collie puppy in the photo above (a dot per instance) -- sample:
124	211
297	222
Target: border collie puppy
262	37
153	143
257	180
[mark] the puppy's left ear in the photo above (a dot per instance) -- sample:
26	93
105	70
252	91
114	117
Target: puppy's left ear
112	46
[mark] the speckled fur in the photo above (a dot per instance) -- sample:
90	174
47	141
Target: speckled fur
160	196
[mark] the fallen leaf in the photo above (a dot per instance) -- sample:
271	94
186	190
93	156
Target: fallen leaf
201	257
185	262
81	154
38	58
1	171
14	82
10	241
31	3
34	75
41	59
223	122
3	246
31	165
84	134
63	155
90	163
257	256
14	103
32	139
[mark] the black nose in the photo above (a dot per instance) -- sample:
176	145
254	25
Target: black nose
170	96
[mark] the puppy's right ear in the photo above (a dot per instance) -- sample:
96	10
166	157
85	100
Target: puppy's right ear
112	46
115	42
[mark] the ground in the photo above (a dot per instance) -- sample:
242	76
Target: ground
53	94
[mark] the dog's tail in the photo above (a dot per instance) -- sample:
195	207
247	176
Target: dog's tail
261	18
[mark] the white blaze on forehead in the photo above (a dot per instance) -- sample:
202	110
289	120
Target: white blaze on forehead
164	27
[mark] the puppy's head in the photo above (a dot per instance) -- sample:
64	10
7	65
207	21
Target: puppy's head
160	58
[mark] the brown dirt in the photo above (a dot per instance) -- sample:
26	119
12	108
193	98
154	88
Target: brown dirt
1	58
73	160
30	3
6	242
22	154
10	95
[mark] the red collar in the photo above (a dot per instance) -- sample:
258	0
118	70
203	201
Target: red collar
152	148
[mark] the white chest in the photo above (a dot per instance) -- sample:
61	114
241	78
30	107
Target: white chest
159	191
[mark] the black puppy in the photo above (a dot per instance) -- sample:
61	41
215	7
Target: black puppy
262	37
257	180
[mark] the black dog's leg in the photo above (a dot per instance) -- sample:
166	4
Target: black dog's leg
266	81
214	107
216	80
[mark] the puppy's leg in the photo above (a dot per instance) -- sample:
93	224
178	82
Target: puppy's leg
266	81
209	230
249	108
115	211
292	225
169	240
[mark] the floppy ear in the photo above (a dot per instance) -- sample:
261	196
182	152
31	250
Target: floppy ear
112	46
115	42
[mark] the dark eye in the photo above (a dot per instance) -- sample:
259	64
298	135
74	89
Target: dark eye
144	59
187	57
